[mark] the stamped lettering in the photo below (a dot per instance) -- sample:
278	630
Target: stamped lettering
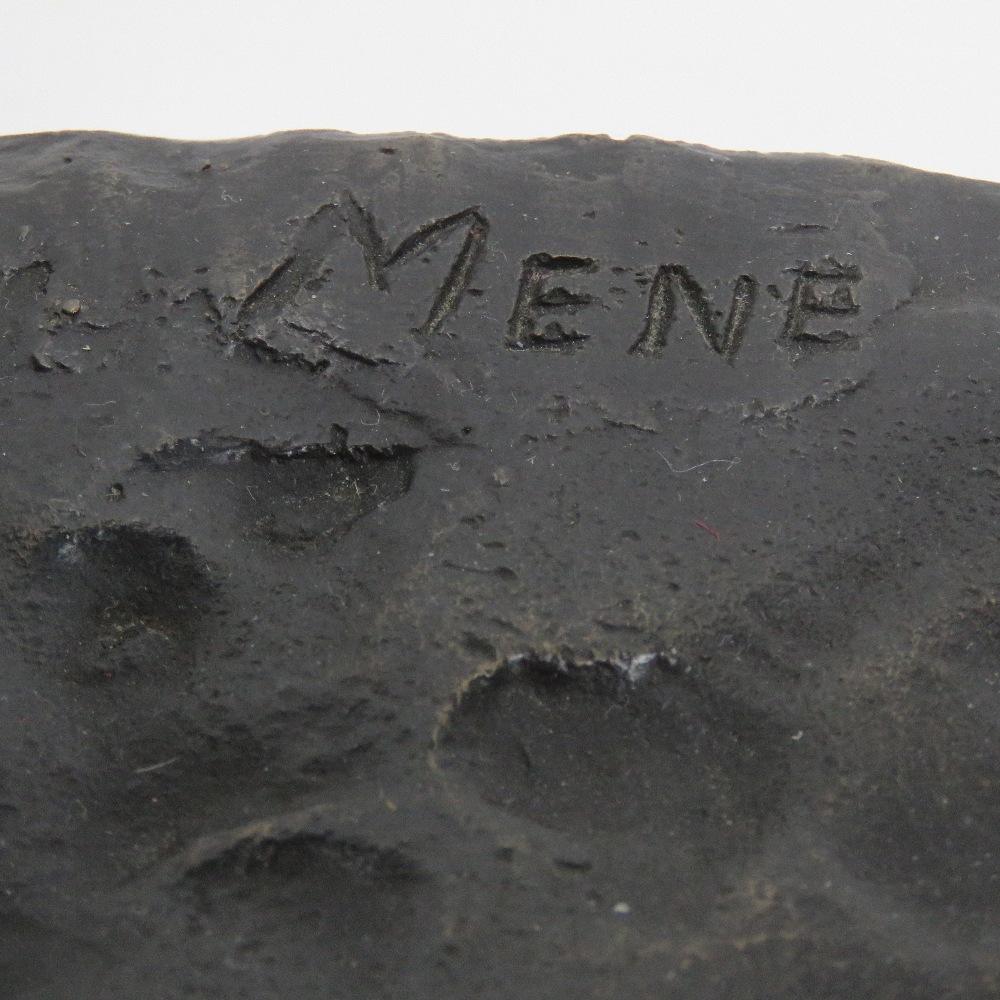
540	309
549	313
821	291
663	307
379	258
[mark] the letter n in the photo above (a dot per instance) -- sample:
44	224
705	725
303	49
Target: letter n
663	308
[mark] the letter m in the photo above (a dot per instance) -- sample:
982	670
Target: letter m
379	258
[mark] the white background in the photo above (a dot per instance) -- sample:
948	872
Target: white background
915	82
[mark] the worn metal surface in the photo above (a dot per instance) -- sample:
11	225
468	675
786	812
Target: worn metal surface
469	569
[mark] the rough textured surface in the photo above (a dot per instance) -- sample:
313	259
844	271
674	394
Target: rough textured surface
463	569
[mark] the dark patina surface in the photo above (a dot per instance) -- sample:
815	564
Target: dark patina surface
436	568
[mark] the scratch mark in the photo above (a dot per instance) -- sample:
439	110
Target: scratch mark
156	767
727	462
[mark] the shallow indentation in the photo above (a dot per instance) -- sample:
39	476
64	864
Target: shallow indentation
289	905
291	498
321	864
117	601
920	811
633	747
